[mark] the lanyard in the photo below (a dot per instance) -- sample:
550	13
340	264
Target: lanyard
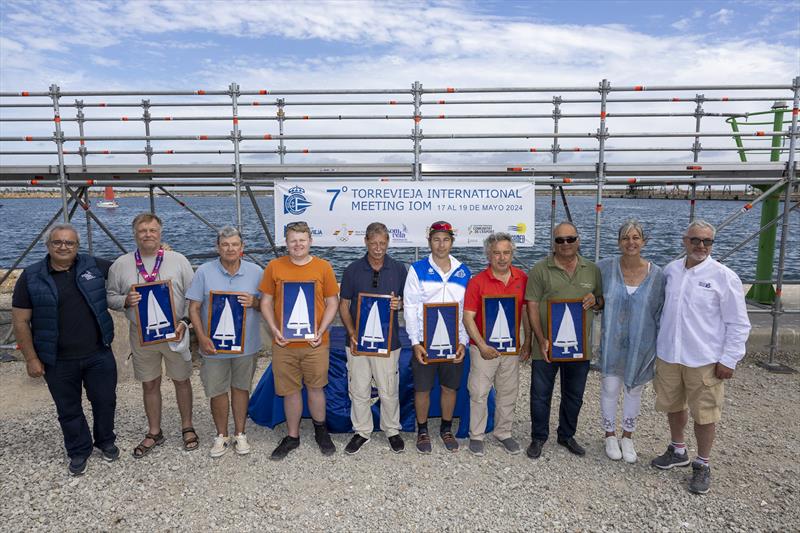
140	265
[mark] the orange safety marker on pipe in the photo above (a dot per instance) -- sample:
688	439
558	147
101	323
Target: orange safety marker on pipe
451	90
778	292
82	142
305	117
392	102
748	207
638	88
305	150
417	118
759	134
235	120
145	170
167	118
676	99
254	103
795	111
202	137
124	119
267	137
27	138
567	180
441	116
24	93
514	169
724	98
632	180
442	102
106	152
169	151
199	91
34	182
263	91
56	118
694	167
598	207
102	104
602	114
532	150
576	149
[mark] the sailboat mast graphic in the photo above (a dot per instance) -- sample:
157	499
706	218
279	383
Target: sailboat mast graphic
225	330
441	339
372	329
501	333
156	320
566	336
298	319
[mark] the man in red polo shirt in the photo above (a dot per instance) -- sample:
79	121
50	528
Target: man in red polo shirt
490	360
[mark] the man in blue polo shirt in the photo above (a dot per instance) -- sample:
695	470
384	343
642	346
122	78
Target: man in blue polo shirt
223	372
375	273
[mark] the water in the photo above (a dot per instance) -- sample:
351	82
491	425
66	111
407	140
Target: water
665	220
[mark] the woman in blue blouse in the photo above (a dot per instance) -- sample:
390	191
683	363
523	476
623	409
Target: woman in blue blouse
633	290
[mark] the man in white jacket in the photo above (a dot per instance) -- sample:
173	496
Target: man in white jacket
704	328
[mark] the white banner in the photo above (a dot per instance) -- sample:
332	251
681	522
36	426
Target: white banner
339	212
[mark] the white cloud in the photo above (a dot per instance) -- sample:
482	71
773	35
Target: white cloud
104	61
723	16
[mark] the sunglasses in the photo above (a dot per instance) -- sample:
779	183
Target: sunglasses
561	240
376	274
695	241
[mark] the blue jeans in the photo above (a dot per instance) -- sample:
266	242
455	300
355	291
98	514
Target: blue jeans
98	374
573	383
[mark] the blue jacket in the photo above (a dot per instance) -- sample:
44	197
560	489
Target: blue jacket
44	297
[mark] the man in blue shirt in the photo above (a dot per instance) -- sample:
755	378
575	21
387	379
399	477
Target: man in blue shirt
222	372
375	273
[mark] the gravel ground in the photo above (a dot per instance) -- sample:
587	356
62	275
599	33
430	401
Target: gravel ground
755	467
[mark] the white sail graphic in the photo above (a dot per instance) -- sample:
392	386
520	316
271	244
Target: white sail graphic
441	339
299	318
372	329
501	333
566	336
156	319
225	331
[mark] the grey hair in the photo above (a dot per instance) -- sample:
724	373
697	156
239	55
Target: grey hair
375	228
702	224
566	223
227	232
494	238
61	227
631	224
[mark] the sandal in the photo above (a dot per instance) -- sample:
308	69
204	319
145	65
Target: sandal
190	443
141	450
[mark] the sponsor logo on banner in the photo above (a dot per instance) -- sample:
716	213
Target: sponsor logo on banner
295	203
519	227
343	234
519	239
480	229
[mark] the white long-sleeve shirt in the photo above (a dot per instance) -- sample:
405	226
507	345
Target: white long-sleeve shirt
427	283
705	318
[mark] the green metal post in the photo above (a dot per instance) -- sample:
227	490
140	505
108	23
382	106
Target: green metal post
765	293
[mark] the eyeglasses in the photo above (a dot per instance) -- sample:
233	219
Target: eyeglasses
561	240
64	244
376	274
695	241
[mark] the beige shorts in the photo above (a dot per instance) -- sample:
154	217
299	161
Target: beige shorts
294	366
219	376
678	387
147	362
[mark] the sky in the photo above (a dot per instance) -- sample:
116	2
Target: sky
186	45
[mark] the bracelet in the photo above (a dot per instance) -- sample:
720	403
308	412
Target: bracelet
186	321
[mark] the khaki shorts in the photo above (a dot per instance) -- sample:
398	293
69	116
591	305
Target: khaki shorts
147	362
294	366
679	386
219	376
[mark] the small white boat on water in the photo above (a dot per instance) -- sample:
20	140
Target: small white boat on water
108	200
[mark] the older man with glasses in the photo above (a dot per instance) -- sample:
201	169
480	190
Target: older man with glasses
375	273
703	332
64	330
565	275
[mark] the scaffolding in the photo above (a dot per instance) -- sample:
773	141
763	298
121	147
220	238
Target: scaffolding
589	164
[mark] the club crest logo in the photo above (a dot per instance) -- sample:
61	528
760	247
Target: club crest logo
295	203
88	276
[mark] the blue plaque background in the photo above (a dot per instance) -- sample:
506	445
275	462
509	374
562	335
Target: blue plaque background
490	317
384	311
163	295
215	307
291	289
450	316
558	353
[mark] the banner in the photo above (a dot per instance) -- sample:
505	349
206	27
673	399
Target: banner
339	212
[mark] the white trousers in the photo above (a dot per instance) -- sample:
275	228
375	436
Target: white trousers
631	404
362	372
503	373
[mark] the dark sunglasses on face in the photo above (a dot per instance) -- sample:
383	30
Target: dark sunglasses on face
695	241
375	277
561	240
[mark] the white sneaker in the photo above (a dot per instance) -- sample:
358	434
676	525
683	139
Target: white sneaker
220	446
612	448
242	446
628	452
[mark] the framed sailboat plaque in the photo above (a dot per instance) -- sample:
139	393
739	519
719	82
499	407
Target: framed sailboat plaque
226	319
155	315
440	331
298	322
501	323
374	325
567	330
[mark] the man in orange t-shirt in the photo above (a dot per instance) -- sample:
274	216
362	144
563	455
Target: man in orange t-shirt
297	362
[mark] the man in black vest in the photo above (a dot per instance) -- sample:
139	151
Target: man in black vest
64	330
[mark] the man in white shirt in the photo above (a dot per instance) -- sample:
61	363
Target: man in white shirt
704	328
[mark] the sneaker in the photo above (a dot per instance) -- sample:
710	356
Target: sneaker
534	451
77	466
355	444
286	445
220	446
670	459
323	438
396	444
628	451
701	478
612	448
449	441
242	447
476	447
424	443
510	445
110	454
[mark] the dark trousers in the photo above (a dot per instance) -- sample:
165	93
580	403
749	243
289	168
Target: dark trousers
98	374
573	383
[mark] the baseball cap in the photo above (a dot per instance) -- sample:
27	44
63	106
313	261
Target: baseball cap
441	226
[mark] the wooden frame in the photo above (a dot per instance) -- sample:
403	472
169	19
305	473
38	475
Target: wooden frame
157	289
449	308
514	330
241	334
573	335
386	329
311	309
